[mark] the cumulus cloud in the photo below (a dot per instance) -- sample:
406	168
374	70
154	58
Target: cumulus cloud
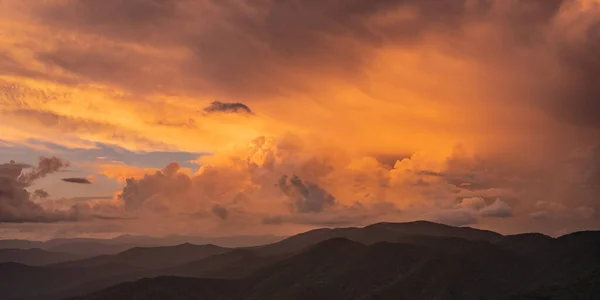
227	107
16	203
45	166
475	203
498	209
306	197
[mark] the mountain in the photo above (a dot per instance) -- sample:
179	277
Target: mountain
21	281
152	257
166	288
380	232
585	289
417	260
20	244
526	243
343	269
440	230
35	257
91	246
433	266
86	275
239	263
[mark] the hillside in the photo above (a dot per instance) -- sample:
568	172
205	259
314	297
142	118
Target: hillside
429	267
35	257
417	260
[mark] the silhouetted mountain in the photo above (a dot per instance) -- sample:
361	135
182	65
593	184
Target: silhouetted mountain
428	267
380	232
152	257
584	289
238	263
35	257
21	281
441	230
91	246
20	244
165	288
526	243
418	260
341	269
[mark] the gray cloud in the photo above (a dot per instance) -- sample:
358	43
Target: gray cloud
138	19
77	180
16	204
45	166
220	211
306	197
498	209
228	107
41	194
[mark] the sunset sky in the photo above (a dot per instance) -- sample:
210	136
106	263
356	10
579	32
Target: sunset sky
235	117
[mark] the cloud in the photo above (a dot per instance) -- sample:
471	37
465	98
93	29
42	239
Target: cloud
45	166
306	197
585	212
456	217
77	180
98	130
539	215
220	212
498	209
386	90
41	194
16	203
225	107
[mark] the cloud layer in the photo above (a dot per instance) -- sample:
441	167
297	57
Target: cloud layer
329	112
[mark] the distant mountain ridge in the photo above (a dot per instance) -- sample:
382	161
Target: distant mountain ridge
343	269
93	246
418	260
152	257
35	257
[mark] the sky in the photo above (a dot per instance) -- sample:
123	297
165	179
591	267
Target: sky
242	117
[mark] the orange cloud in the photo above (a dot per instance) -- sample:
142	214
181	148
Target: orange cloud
366	101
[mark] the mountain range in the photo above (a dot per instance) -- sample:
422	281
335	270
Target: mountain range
416	260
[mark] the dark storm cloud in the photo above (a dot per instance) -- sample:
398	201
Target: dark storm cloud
227	107
306	197
578	98
241	46
220	211
77	180
118	18
232	40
